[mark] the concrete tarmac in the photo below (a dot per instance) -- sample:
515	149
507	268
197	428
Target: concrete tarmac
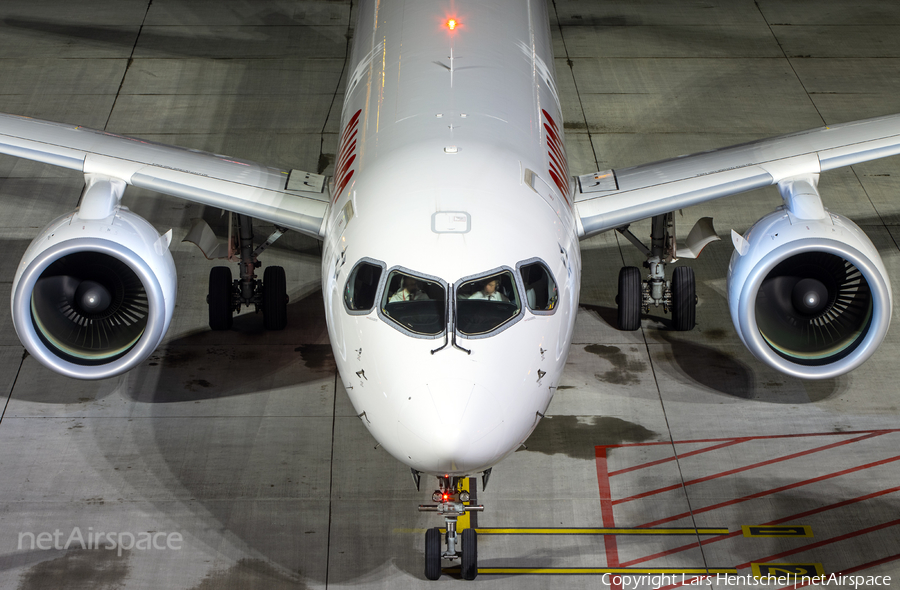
239	452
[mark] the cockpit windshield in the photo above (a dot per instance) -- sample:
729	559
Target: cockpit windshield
486	303
483	305
416	303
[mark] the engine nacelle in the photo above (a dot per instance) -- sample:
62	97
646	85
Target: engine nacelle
810	298
92	298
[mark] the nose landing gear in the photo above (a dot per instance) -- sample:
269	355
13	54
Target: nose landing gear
452	504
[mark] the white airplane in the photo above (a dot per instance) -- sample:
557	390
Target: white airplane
451	228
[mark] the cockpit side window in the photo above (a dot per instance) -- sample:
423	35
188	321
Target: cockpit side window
486	303
415	303
361	289
541	293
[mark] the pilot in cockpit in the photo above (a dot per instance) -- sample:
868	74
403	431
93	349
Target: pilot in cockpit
490	291
410	291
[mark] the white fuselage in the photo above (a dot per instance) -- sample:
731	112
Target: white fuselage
452	158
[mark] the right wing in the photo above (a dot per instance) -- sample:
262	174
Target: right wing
295	200
614	198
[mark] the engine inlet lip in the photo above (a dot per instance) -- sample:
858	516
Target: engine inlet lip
881	304
21	309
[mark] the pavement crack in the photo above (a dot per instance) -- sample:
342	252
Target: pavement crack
13	385
127	66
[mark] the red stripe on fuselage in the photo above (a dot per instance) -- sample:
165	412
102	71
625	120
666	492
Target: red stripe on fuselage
344	183
554	144
346	166
351	124
549	118
558	165
346	155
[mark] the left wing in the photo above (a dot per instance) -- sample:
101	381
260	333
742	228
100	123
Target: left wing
295	200
614	198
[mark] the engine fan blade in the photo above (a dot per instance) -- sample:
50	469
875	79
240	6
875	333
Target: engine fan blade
89	307
814	307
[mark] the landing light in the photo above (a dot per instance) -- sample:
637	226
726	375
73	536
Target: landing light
451	24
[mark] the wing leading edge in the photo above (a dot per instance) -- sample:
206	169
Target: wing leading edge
235	185
614	198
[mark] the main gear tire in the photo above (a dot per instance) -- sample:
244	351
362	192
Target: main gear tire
684	299
219	298
629	299
275	298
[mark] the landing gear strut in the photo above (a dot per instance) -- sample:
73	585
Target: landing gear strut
452	504
678	295
226	297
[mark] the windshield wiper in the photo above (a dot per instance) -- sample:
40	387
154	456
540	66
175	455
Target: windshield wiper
450	323
453	326
446	319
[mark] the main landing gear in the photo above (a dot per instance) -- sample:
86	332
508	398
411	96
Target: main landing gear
452	501
269	295
677	296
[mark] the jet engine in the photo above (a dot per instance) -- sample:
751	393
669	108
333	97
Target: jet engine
93	297
809	297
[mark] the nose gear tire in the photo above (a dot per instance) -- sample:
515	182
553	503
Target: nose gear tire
469	562
433	553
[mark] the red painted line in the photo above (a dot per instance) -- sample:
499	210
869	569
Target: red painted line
840	504
675	550
866	566
770	523
853	570
823	543
606	509
678	486
766	437
682	456
769	492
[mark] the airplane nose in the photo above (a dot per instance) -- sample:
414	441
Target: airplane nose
464	434
451	398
